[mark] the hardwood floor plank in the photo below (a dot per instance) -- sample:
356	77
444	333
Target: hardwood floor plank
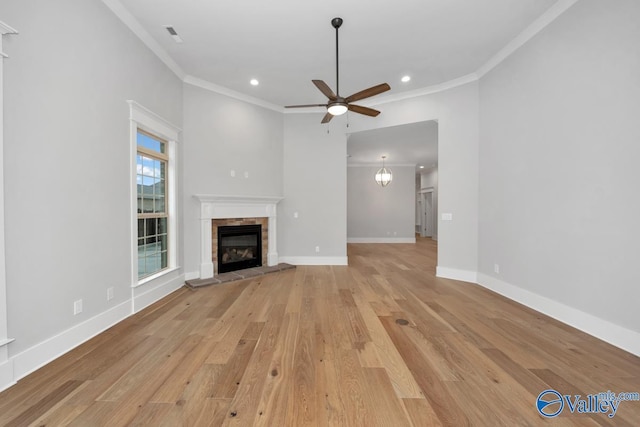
379	342
421	413
389	355
434	390
44	404
243	408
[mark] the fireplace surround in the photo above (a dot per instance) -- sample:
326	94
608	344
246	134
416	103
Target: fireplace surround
234	208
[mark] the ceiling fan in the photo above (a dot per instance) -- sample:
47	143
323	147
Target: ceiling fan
338	105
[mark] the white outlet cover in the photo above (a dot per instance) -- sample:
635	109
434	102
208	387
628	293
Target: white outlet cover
447	217
77	307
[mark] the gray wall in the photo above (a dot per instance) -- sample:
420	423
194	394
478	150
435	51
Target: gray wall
559	157
67	159
223	134
315	176
457	113
380	212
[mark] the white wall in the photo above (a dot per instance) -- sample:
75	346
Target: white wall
559	171
380	214
223	134
457	113
67	168
315	186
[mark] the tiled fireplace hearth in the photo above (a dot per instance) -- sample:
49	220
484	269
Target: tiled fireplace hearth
235	210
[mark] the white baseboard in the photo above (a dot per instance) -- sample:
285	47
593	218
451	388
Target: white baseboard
315	260
381	239
44	352
456	274
616	335
7	378
143	298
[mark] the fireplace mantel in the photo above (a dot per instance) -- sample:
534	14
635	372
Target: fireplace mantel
220	207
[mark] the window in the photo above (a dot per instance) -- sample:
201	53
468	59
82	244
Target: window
151	195
153	145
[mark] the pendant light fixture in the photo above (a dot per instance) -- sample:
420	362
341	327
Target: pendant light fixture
384	175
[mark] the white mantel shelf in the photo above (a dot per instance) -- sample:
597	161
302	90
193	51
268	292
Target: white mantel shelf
214	206
213	198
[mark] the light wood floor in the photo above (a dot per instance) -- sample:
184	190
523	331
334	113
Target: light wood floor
381	342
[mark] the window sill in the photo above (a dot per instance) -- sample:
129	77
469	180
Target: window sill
155	276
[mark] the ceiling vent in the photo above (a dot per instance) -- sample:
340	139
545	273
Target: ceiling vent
174	34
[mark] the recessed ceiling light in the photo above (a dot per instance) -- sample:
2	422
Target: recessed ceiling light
254	82
405	79
421	167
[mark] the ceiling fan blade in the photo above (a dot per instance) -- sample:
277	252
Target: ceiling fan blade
363	110
375	90
325	89
327	117
304	106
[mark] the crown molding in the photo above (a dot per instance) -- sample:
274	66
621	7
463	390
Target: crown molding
378	165
538	25
130	21
460	81
7	29
204	84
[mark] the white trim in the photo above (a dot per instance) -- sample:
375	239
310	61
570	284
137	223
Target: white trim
6	367
214	206
381	239
315	260
429	90
153	122
203	84
616	335
538	25
159	274
143	118
379	165
144	298
457	274
46	351
250	200
7	29
134	25
6	375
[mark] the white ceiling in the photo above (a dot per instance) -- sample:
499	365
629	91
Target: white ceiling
287	43
415	143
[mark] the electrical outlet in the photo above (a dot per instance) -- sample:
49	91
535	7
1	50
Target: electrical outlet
246	174
77	307
496	268
110	292
317	249
232	173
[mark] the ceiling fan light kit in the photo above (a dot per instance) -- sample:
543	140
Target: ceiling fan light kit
338	105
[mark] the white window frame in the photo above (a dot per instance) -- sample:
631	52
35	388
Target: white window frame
147	121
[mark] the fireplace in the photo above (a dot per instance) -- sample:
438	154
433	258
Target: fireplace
239	247
218	210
